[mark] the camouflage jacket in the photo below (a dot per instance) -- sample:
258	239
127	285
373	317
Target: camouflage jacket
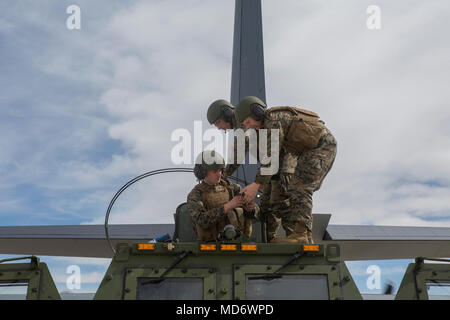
207	217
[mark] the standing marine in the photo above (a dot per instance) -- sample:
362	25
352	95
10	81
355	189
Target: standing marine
221	113
216	203
299	133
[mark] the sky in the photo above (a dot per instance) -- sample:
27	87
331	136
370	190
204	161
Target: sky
83	111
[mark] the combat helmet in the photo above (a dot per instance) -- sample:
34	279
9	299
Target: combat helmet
250	106
220	109
207	160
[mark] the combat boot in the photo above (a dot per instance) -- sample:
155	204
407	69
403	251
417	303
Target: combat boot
300	235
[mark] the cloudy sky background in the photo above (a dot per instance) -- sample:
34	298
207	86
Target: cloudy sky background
84	111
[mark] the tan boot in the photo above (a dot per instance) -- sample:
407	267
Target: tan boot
300	235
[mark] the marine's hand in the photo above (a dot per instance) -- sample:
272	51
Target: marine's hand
250	192
237	201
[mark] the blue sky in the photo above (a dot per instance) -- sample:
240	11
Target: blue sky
84	111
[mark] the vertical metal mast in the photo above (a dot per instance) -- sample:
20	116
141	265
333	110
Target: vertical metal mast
247	75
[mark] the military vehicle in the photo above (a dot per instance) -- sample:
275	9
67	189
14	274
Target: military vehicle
33	276
226	270
183	268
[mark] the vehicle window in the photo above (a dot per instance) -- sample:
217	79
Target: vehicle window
170	288
288	287
438	289
13	290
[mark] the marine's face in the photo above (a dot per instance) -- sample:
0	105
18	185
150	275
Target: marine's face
213	176
222	124
251	123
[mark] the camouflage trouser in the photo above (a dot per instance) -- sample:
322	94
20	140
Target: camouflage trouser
312	167
295	205
272	200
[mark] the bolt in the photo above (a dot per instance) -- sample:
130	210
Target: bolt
210	291
127	290
34	290
236	283
224	290
109	277
184	270
211	270
237	267
269	268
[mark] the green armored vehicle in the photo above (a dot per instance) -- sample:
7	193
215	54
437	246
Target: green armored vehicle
33	276
230	270
227	270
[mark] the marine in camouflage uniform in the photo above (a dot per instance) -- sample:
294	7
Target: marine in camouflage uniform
301	134
275	198
221	114
206	204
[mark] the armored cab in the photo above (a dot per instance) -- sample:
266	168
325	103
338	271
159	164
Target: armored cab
225	271
33	278
426	281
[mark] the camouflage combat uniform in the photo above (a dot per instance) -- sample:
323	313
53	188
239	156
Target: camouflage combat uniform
206	207
316	150
273	198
